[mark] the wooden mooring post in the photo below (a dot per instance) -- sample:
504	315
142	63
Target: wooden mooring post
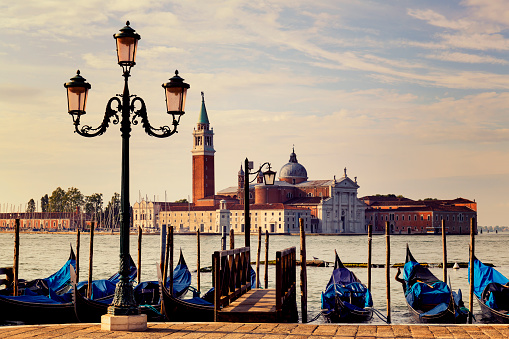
471	271
303	274
90	260
164	264
163	237
223	238
370	240
258	258
198	261
140	234
266	278
77	255
170	269
444	251
16	257
232	239
388	269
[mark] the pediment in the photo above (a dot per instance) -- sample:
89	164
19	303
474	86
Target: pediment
346	183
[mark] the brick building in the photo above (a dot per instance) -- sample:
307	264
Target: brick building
406	216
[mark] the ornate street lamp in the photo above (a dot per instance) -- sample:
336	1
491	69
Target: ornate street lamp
131	108
269	177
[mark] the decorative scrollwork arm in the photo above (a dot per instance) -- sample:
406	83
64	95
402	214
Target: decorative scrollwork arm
161	132
89	132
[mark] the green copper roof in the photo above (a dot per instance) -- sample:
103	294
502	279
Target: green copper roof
204	118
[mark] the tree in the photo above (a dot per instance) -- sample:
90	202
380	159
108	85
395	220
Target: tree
73	199
94	203
182	200
112	211
44	203
57	200
31	206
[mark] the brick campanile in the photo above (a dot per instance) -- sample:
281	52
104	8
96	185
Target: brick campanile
203	156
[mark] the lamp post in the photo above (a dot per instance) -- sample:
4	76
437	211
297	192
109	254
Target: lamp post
269	177
131	108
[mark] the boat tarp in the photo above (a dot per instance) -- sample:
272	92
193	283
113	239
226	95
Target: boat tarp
100	288
181	277
415	272
62	277
133	271
356	292
39	299
342	276
483	275
425	297
198	301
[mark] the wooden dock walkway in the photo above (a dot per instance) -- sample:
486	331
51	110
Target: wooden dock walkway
258	305
268	331
237	301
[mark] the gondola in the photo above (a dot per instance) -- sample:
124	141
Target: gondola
428	298
41	302
175	309
491	291
345	298
57	282
146	296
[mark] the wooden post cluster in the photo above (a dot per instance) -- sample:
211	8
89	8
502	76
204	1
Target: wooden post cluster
303	274
388	269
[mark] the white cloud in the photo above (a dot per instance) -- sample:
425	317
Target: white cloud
467	58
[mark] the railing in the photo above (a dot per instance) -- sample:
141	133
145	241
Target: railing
231	276
285	277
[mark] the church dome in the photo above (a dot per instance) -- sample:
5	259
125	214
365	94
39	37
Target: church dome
293	170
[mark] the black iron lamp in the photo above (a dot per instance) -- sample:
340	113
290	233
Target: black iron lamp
131	109
269	177
127	43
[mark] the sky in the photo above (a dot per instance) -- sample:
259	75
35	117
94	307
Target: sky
410	96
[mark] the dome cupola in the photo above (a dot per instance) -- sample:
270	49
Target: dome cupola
293	172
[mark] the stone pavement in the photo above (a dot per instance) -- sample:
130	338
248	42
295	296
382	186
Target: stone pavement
269	331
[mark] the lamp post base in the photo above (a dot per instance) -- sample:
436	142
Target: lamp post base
124	322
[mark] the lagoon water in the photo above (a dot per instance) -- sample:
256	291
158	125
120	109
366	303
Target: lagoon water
43	254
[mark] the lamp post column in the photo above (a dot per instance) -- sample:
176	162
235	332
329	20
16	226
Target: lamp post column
247	218
123	301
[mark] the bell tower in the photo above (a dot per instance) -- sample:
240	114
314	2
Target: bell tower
203	156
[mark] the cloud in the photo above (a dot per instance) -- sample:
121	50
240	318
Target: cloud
467	58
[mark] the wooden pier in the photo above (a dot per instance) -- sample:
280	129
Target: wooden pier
236	301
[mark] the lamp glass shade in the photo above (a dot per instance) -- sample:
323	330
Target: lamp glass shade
176	99
77	99
126	50
269	177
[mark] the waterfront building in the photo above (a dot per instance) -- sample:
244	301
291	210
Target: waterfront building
407	216
46	221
